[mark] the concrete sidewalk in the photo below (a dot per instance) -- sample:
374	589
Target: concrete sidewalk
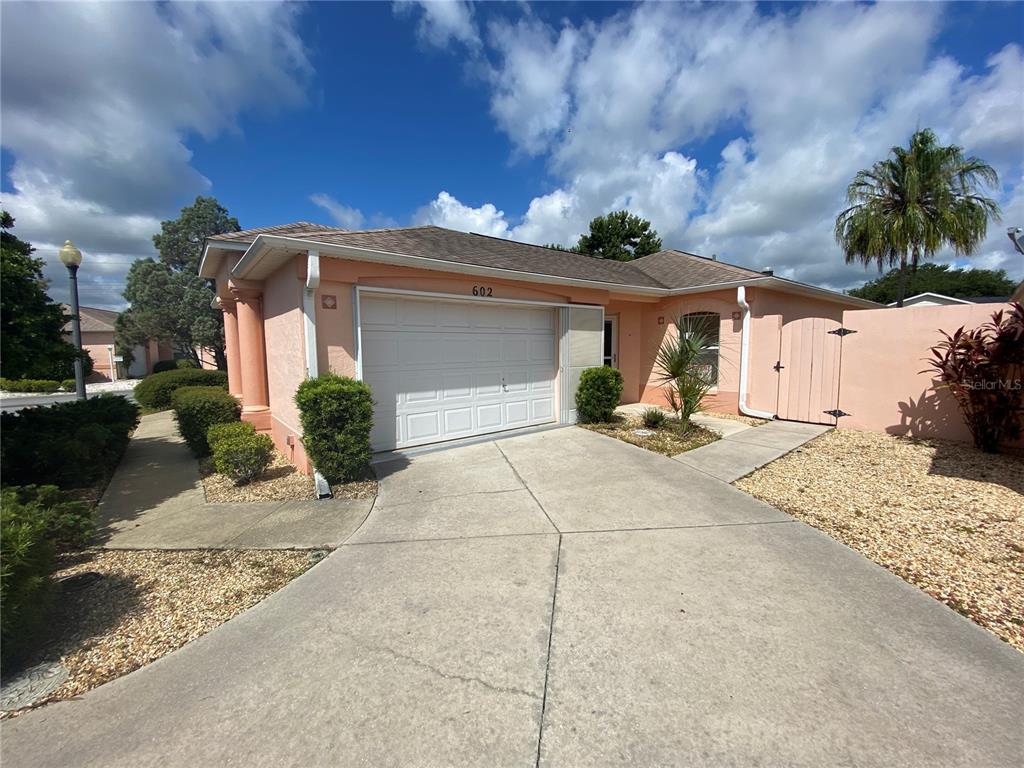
155	501
742	451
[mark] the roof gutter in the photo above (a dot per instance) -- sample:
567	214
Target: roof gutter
741	299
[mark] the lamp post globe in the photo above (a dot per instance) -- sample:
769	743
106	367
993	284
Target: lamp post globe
71	258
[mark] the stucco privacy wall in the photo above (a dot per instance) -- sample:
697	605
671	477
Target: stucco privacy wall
882	386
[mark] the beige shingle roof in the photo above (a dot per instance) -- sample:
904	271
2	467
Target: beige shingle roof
665	269
92	319
678	269
296	228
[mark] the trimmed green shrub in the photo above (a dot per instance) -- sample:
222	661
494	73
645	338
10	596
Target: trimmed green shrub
155	390
598	394
653	417
174	365
337	415
196	409
228	429
69	524
70	445
68	384
29	385
242	455
26	562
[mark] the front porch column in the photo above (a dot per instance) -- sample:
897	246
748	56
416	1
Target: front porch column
231	348
252	358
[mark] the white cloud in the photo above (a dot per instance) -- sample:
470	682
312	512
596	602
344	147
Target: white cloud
446	211
443	21
810	97
98	101
342	215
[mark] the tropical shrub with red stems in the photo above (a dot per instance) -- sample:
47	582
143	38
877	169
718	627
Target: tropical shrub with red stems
984	370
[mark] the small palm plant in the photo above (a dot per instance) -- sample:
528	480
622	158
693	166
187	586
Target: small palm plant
686	365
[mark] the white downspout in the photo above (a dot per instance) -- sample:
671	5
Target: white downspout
323	488
741	299
309	311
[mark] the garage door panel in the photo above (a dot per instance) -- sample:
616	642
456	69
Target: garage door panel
517	413
446	369
458	386
515	350
488	416
417	314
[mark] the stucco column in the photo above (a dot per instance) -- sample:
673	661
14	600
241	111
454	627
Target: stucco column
231	347
252	358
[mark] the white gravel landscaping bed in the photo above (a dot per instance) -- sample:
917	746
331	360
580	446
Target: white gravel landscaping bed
942	515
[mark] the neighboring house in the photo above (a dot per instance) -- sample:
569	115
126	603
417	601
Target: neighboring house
929	299
98	340
461	334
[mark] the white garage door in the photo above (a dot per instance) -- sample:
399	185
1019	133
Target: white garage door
441	370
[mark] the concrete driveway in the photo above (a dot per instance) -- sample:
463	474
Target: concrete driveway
564	599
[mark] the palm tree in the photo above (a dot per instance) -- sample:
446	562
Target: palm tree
905	208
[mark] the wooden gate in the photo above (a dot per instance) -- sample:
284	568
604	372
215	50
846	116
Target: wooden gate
809	361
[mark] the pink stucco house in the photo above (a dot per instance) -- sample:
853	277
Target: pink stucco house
98	340
461	334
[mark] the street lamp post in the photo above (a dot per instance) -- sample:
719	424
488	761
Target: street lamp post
71	257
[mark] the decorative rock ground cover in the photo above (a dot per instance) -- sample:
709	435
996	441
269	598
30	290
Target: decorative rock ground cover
281	482
942	515
145	605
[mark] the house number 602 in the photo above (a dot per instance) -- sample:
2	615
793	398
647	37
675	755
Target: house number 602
482	290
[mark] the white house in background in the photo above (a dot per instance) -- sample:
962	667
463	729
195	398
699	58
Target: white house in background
930	299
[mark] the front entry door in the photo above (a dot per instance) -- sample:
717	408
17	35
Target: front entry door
809	370
611	342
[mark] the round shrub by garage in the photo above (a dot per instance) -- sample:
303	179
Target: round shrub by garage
241	454
196	409
337	416
218	432
598	394
155	390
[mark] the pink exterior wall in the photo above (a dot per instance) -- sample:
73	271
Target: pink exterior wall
882	386
286	366
95	343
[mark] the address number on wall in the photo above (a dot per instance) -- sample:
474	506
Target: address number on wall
482	290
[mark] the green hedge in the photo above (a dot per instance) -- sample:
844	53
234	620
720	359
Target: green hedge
196	409
598	394
155	390
241	454
29	385
70	444
35	521
26	553
174	365
337	415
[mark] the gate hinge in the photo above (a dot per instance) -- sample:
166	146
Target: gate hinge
837	412
840	332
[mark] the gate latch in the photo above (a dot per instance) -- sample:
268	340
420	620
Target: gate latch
840	332
778	365
837	412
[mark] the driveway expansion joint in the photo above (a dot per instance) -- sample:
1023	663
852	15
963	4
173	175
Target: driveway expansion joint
431	499
519	477
547	659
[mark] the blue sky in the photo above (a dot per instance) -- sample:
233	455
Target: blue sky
733	128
